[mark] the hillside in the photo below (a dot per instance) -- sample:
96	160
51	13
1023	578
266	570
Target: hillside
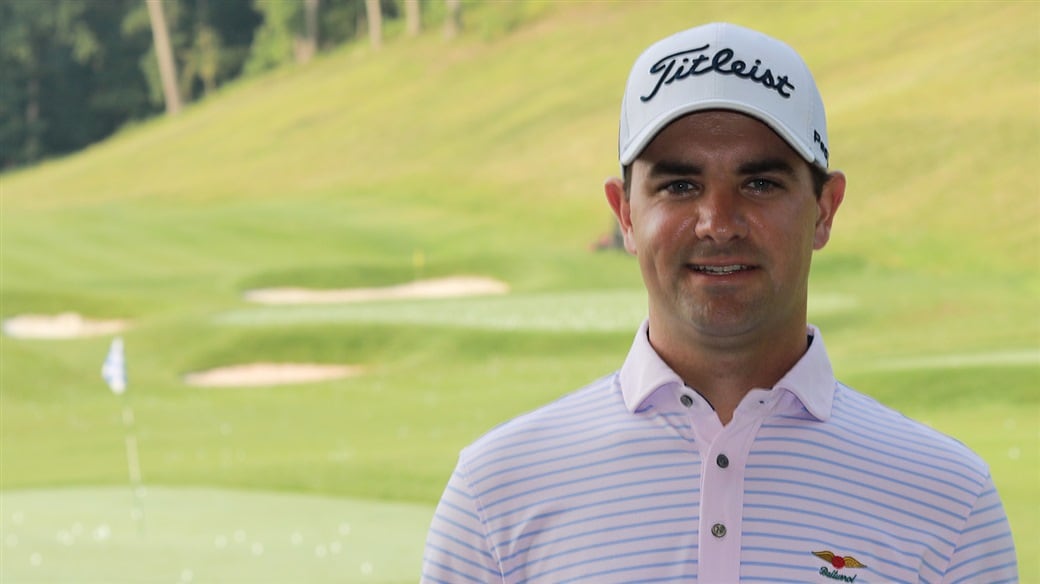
933	116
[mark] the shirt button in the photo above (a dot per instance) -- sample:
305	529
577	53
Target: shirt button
686	400
718	530
722	461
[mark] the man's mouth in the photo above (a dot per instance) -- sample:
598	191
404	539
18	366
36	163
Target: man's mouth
720	270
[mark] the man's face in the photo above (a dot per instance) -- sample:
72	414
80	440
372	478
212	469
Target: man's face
722	217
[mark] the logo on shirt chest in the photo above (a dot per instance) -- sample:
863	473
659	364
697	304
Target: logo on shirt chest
839	563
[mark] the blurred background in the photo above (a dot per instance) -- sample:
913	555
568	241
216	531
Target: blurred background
340	239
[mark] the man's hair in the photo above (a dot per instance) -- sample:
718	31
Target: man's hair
819	178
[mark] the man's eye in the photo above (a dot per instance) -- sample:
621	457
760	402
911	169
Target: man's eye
680	187
762	185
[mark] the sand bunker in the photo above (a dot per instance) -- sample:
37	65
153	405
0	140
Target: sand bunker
68	325
257	374
452	287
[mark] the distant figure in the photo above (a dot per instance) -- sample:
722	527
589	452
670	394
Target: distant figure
724	449
614	240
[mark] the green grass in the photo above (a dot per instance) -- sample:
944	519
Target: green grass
109	534
487	156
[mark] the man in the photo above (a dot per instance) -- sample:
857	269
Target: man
724	450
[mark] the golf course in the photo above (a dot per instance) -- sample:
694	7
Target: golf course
436	205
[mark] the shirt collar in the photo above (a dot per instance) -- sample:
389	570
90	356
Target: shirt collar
811	380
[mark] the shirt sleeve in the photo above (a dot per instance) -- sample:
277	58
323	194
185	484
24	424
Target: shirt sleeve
457	547
985	551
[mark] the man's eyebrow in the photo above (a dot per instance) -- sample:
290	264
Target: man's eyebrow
766	165
673	167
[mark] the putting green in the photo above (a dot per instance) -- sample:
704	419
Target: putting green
180	535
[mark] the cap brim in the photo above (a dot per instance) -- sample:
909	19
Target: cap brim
650	130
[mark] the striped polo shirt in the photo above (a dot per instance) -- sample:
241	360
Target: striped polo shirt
634	479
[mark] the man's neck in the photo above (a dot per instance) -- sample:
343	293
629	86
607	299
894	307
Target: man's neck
724	371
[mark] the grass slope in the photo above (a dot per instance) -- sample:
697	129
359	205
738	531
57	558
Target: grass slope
486	155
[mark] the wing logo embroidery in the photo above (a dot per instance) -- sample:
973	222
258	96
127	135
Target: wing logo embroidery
838	562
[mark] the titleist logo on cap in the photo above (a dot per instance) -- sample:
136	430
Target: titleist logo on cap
729	67
697	61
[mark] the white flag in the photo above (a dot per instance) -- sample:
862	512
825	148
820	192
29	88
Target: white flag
114	369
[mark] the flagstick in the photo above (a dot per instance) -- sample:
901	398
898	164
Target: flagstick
113	371
133	464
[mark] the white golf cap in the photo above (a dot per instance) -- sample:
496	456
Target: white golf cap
728	67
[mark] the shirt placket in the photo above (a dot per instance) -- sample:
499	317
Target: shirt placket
724	451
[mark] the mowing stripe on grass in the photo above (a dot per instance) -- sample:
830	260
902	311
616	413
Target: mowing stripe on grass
585	311
207	535
611	310
1011	358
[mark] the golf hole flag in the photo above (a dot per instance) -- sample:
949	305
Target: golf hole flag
114	369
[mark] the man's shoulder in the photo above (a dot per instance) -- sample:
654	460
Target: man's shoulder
890	434
554	420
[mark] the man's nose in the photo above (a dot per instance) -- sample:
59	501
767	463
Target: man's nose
720	216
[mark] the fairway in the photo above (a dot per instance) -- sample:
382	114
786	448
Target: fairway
204	535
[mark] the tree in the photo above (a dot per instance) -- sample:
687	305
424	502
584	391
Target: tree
274	40
68	76
209	40
413	19
202	60
73	71
374	14
289	31
208	60
310	40
453	23
37	39
164	54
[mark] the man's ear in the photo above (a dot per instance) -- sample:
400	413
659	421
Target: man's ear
614	188
830	199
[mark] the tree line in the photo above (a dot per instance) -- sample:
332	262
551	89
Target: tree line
74	71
